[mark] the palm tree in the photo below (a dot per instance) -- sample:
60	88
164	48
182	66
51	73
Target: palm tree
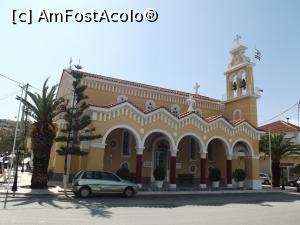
42	109
281	147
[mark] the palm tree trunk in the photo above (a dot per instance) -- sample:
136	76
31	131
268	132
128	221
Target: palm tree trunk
276	173
41	145
39	174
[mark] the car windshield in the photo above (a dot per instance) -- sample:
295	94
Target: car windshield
77	174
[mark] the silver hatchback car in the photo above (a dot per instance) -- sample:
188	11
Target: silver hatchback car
86	183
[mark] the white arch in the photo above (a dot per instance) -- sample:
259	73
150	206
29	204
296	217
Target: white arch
171	140
199	140
248	145
228	150
135	133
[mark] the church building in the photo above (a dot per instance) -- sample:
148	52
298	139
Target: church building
145	126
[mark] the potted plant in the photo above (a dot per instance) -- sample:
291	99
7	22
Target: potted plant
123	173
215	177
239	175
159	174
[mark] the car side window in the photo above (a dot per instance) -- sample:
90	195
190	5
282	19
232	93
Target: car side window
88	175
109	176
98	175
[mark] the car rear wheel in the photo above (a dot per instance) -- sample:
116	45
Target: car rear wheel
85	192
129	192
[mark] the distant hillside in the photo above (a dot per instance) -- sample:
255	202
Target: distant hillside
7	124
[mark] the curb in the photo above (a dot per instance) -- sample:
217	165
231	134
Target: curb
154	193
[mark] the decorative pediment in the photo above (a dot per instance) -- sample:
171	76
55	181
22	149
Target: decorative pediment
175	122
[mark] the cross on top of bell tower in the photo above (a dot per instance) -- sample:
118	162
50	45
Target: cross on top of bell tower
237	39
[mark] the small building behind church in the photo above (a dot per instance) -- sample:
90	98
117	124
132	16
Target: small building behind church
145	126
288	163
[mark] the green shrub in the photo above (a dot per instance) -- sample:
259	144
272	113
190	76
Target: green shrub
239	175
123	173
214	174
159	173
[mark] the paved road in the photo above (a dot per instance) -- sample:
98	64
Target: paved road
233	209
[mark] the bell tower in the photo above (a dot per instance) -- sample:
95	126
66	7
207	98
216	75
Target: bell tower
241	94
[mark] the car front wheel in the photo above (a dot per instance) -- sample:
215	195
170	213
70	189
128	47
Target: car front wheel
298	188
129	192
85	192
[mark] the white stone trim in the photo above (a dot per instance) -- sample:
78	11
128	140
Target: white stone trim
229	185
163	114
250	150
197	138
123	126
228	150
97	145
140	150
203	155
170	139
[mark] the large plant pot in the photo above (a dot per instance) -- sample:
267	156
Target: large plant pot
159	183
240	184
215	184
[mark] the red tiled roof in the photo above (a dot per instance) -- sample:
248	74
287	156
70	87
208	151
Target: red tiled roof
213	118
280	127
236	122
146	86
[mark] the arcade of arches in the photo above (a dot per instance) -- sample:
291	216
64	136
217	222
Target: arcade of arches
187	162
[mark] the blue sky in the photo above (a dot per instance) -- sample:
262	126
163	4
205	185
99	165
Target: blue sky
190	42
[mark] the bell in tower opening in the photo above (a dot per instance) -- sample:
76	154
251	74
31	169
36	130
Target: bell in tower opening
243	83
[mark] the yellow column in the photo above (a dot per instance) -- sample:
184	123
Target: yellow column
95	159
252	172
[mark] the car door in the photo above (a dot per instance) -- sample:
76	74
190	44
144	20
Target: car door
111	183
90	178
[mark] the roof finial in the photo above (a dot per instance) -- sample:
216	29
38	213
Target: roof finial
190	101
78	66
196	87
237	39
70	63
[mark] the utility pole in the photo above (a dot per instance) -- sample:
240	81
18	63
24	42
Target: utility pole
25	125
15	187
270	153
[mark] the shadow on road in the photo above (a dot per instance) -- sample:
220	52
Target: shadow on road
99	205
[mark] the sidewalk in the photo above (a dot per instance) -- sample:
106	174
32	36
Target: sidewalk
56	189
24	181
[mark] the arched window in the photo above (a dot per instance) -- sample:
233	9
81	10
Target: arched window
210	152
237	114
121	98
149	105
193	149
126	143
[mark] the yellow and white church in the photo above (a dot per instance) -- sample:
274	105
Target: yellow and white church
144	126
